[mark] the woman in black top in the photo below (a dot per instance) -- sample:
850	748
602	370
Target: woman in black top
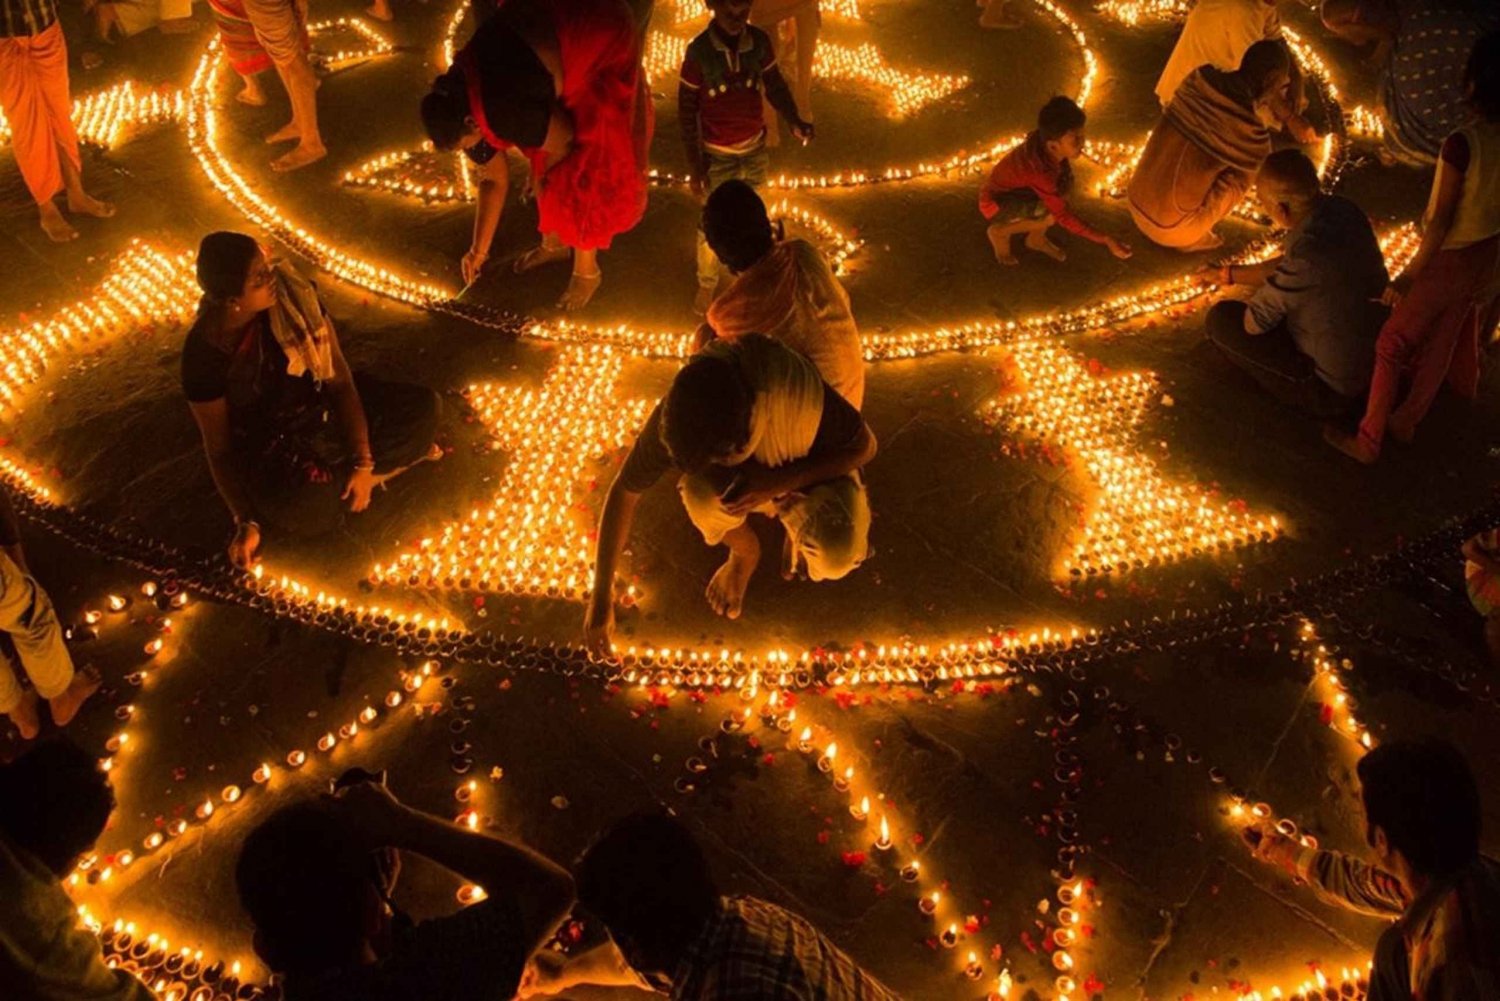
260	406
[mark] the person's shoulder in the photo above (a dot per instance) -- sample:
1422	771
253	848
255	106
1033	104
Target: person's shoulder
702	43
759	37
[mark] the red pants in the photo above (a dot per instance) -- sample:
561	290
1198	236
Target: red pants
34	96
1433	333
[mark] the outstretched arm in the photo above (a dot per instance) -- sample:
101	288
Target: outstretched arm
494	185
614	529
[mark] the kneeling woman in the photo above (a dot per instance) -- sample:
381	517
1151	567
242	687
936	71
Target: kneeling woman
265	378
561	80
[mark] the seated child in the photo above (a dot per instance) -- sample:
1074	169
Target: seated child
1027	190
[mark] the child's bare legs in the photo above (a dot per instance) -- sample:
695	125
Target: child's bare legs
584	282
24	715
1001	235
251	92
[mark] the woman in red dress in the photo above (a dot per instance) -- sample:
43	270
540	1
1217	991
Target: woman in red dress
561	81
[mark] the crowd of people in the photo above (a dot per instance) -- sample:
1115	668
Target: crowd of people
764	419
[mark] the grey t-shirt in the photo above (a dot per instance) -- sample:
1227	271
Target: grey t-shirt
1325	291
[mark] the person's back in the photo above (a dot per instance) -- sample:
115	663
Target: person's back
1473	151
1421	88
754	948
1216	33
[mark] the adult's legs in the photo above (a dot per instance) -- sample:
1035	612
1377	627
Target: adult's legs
828	528
33	71
1273	361
280	28
1451	353
27	615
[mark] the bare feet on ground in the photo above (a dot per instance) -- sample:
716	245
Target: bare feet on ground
1038	241
85	682
304	154
1000	241
25	717
540	255
1210	241
580	290
83	203
726	591
285	134
58	229
1351	445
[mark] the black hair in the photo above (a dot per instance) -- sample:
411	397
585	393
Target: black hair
706	412
736	225
647	879
445	111
1422	794
1482	76
304	882
1293	168
54	802
224	260
1262	61
1058	117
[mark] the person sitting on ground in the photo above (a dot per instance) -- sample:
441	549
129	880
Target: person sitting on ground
1419	49
1207	148
1444	295
1481	554
1307	334
54	803
316	876
725	71
1026	192
29	620
784	289
649	884
561	80
1422	819
266	381
1217	33
755	430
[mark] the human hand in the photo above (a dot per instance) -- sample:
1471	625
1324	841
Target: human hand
357	490
1268	845
753	486
702	337
371	809
1212	274
243	547
1301	130
544	975
1119	249
1396	291
599	627
803	131
472	264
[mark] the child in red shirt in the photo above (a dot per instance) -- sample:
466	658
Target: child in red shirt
725	71
1026	192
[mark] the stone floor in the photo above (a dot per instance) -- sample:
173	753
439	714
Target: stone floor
968	533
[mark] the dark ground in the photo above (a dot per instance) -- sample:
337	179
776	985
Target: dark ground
965	535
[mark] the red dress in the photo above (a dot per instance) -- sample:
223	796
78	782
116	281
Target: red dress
598	189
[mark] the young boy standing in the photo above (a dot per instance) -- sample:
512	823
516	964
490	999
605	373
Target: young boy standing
1026	192
725	72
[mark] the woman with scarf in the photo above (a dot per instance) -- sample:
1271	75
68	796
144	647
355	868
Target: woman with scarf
1205	152
561	81
266	380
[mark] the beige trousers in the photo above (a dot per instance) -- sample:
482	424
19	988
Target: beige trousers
26	613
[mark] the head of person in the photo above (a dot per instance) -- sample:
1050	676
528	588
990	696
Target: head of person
1060	125
1421	806
730	16
1287	187
705	416
1482	77
1359	22
234	271
54	803
736	225
312	894
647	880
445	114
1265	68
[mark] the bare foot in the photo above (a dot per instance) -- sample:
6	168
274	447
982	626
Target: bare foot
539	256
380	10
1210	241
85	682
83	203
285	134
1000	241
580	290
1351	445
251	93
434	454
58	229
1038	241
726	592
304	154
24	716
